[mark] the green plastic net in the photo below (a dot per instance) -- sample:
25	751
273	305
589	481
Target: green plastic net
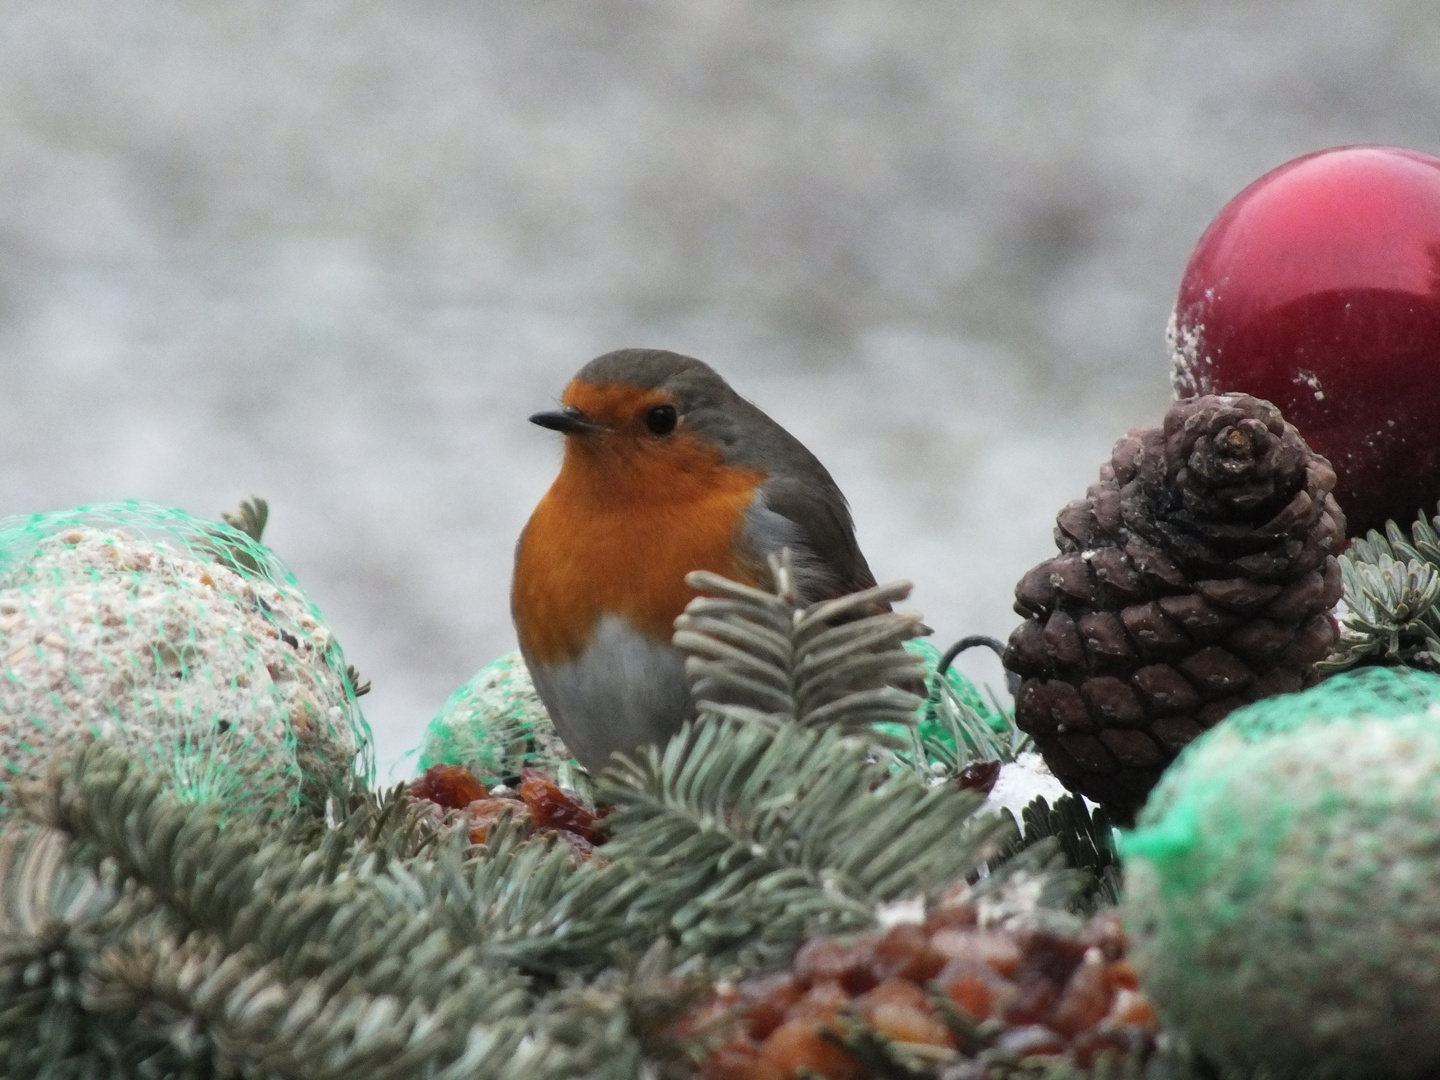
185	642
1282	890
496	725
1381	692
1176	812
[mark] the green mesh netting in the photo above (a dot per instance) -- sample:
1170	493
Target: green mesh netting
496	724
1169	817
182	640
1283	890
1374	691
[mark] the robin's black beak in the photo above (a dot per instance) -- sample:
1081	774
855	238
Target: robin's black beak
569	420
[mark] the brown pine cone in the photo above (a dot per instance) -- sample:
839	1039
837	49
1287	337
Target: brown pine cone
1196	576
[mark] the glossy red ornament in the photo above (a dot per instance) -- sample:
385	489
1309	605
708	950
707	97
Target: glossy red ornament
1318	288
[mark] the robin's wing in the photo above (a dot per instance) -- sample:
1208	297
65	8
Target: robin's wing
798	506
809	516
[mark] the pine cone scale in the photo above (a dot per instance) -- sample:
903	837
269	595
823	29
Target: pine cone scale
1133	749
1062	639
1175	732
1155	634
1303	598
1067	707
1089	753
1215	673
1106	643
1260	641
1119	583
1112	701
1072	578
1198	617
1299	509
1240	595
1165	691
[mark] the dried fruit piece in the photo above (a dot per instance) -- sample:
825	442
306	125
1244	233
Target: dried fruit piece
485	814
1057	988
833	960
900	1010
800	1048
449	786
553	808
905	951
766	1001
980	776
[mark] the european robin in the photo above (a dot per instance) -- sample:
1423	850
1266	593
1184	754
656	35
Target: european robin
666	470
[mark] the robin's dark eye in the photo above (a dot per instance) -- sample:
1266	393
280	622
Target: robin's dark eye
662	419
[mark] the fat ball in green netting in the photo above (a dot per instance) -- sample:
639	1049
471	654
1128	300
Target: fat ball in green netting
496	724
1282	888
184	642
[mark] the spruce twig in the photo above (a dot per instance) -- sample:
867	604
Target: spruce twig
237	545
358	686
250	518
957	735
58	916
1087	841
264	954
759	656
1391	609
743	840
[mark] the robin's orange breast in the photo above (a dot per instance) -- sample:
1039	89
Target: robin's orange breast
616	534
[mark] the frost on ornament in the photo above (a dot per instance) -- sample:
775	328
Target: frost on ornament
1282	891
185	643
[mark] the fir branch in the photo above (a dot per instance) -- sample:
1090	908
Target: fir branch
250	518
759	656
510	896
57	918
744	839
383	893
45	898
250	1019
955	735
1392	600
264	956
236	544
1087	842
212	1001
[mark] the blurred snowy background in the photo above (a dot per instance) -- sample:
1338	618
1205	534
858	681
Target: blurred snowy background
335	253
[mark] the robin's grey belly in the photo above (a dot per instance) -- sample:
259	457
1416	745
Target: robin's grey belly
626	690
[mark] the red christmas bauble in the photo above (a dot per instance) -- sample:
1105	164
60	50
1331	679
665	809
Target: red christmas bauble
1318	288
